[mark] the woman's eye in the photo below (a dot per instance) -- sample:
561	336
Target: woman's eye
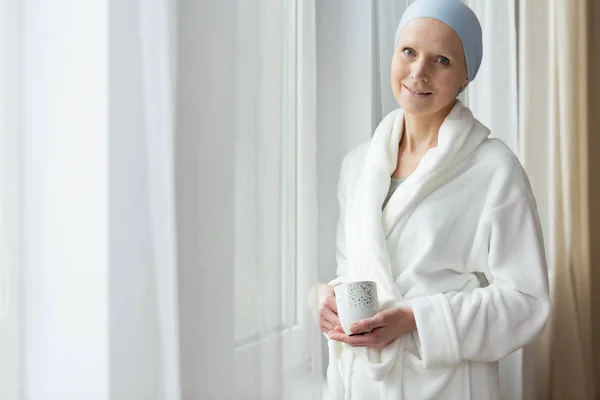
443	60
409	52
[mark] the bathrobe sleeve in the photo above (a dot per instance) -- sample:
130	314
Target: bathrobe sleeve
489	323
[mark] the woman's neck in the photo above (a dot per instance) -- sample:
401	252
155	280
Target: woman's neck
421	131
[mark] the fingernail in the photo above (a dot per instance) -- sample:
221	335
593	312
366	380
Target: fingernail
354	328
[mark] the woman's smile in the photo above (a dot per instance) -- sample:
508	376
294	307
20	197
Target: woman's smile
417	93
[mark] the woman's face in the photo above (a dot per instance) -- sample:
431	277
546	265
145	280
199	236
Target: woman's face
428	67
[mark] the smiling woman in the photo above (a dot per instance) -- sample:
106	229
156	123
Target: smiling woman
456	252
428	67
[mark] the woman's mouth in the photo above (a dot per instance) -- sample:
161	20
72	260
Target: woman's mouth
416	93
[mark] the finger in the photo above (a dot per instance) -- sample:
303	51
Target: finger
366	340
330	316
368	324
335	320
327	327
332	303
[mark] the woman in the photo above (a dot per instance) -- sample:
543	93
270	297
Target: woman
444	220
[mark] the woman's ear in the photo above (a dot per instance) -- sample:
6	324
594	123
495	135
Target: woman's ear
465	83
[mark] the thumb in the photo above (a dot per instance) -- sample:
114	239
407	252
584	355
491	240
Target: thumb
366	325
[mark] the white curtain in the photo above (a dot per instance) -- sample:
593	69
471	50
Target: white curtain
498	72
144	329
131	288
63	108
86	203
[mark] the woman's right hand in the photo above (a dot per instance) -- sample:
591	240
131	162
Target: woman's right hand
328	313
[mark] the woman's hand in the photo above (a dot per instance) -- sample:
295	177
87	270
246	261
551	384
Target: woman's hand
326	307
378	331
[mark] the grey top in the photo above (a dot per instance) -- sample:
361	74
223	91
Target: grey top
393	186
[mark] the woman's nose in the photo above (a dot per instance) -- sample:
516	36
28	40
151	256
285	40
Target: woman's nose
419	71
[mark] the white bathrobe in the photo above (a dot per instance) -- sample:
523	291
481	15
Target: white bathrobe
460	242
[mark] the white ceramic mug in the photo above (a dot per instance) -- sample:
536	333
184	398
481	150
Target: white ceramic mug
356	301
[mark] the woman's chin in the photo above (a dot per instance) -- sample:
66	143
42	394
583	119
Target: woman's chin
423	106
410	107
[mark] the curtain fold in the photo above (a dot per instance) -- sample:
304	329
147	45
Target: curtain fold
569	237
157	21
144	325
594	171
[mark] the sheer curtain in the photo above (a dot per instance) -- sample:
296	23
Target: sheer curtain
168	209
144	321
63	55
498	72
87	219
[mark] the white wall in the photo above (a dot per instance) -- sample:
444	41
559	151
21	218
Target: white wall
65	301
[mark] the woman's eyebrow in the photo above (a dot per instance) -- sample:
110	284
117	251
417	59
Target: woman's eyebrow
449	54
440	50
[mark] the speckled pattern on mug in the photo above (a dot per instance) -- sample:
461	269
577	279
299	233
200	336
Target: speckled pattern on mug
360	295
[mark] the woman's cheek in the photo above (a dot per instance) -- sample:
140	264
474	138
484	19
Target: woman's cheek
395	73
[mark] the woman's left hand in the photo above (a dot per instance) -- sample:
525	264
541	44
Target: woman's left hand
379	330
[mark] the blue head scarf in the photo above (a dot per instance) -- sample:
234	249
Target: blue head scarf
456	15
